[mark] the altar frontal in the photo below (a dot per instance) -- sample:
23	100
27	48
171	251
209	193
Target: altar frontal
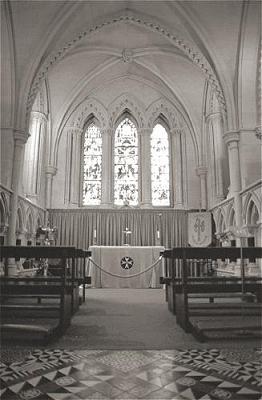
121	262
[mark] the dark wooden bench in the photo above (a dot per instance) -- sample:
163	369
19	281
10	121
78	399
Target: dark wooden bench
23	298
227	296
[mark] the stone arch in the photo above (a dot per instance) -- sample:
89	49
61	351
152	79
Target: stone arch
20	220
4	213
251	202
220	221
30	223
83	111
231	217
78	117
252	212
173	117
167	110
189	49
126	103
38	221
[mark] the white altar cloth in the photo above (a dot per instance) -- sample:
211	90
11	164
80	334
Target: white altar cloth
117	259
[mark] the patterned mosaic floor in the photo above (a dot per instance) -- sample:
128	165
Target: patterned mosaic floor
95	374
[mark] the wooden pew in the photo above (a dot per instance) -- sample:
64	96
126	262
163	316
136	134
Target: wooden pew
22	312
186	294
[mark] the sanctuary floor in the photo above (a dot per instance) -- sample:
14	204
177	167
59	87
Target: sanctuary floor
125	344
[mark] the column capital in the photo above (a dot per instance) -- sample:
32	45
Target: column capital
75	130
201	170
176	131
214	115
39	115
50	170
231	136
20	137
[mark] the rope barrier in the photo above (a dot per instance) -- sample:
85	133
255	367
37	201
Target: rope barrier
129	276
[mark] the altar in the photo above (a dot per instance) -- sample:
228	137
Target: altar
125	261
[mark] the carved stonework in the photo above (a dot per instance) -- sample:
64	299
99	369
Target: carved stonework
127	55
161	106
123	103
90	106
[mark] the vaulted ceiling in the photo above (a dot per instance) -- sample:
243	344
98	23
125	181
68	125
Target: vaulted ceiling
150	49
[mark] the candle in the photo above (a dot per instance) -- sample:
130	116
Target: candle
94	233
158	234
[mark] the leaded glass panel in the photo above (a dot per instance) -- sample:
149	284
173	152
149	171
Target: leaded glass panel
160	166
92	173
126	164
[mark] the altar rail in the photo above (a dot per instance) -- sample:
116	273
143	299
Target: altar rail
237	297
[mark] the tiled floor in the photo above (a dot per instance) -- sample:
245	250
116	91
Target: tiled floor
103	374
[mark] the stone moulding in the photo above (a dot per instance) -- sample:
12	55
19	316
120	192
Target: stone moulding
192	53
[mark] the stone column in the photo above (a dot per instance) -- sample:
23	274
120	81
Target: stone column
232	140
75	166
176	173
107	165
49	173
33	154
145	168
216	126
20	139
202	173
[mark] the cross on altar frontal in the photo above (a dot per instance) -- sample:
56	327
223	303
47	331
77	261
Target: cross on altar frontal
126	232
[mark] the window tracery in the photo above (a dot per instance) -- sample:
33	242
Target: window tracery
125	164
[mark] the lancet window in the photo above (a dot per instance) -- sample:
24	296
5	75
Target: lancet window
92	166
160	171
126	163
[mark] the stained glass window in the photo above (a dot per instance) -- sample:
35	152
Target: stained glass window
92	166
160	166
126	164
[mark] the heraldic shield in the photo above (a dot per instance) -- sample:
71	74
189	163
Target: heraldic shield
199	229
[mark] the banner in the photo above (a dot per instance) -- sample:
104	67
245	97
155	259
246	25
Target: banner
199	229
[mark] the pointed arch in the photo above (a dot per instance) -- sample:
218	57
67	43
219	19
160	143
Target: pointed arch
174	119
130	104
251	200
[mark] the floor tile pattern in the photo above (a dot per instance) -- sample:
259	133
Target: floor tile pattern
95	374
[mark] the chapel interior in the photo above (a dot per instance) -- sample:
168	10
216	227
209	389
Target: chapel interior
131	199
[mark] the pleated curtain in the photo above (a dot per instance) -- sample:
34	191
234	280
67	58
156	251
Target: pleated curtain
83	228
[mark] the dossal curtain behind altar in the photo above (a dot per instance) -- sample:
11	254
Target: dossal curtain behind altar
76	227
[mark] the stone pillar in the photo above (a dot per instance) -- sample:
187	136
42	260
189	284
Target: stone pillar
145	168
232	140
176	173
20	139
49	173
107	165
75	166
202	173
33	154
216	127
